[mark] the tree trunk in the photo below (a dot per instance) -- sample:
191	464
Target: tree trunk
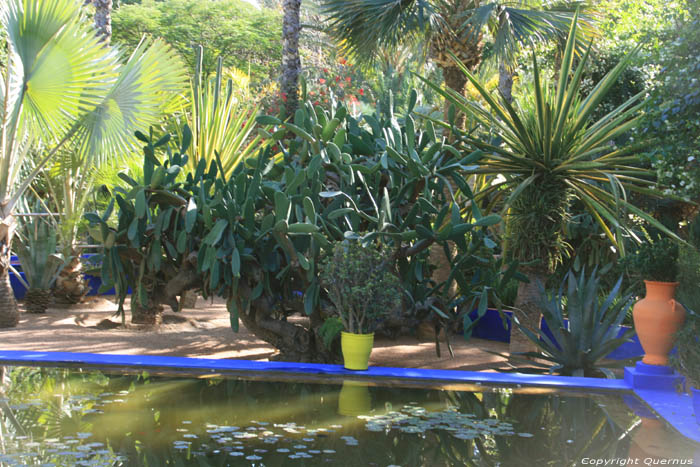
505	82
296	343
291	63
71	286
188	299
103	19
37	300
9	313
457	81
528	309
150	314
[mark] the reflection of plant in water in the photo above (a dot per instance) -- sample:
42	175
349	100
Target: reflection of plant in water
44	417
565	431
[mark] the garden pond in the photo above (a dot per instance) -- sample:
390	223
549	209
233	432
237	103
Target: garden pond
73	416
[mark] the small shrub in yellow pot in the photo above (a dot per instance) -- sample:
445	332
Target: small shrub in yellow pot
363	290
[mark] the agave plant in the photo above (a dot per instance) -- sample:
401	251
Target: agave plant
546	152
36	250
220	121
592	331
63	89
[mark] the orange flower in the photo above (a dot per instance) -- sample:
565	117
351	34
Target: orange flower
322	80
342	61
348	79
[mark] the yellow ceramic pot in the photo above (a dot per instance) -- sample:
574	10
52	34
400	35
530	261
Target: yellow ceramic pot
356	349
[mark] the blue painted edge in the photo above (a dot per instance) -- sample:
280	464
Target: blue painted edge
675	407
180	363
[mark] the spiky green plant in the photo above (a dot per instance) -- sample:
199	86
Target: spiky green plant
592	329
36	250
546	152
221	121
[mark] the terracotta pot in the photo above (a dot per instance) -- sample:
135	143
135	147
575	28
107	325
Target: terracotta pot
657	318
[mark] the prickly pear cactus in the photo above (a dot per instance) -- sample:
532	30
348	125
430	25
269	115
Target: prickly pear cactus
257	238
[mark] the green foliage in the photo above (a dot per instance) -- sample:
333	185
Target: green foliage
631	81
367	26
687	358
547	149
655	259
242	36
221	120
360	285
35	247
258	236
592	330
330	329
675	105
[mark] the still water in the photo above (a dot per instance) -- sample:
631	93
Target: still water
58	416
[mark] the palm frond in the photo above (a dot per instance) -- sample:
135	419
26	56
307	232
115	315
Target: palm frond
363	26
151	76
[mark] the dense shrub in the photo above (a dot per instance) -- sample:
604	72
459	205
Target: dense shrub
257	238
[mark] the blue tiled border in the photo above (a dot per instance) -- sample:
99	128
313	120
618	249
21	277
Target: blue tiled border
675	408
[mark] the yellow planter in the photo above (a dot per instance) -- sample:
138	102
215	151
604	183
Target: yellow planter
354	399
356	349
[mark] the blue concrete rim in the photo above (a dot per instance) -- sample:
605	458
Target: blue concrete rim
291	368
668	408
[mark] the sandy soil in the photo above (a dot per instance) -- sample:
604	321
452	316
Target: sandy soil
204	332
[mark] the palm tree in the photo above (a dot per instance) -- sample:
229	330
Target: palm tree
64	89
550	153
291	63
448	27
103	18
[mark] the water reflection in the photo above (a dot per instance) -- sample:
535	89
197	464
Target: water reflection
73	417
354	399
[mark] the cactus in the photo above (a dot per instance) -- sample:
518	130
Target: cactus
257	237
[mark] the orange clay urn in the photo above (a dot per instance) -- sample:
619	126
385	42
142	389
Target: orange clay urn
657	319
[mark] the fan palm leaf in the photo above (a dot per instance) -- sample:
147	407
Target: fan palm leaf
61	85
151	77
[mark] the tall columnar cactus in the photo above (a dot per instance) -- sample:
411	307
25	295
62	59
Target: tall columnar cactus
256	238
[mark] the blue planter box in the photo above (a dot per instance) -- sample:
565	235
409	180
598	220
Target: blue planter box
94	282
491	327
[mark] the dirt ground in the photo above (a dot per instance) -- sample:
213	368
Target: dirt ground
205	332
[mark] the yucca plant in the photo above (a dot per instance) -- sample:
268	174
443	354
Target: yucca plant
546	151
220	121
63	89
36	250
592	329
